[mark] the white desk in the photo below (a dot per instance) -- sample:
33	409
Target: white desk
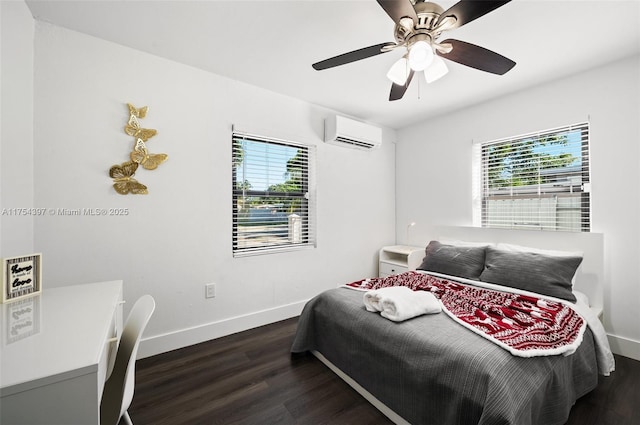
55	354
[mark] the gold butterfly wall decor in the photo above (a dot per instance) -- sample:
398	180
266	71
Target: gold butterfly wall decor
122	175
149	161
123	181
137	112
133	129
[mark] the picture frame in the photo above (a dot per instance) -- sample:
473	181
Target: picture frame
21	277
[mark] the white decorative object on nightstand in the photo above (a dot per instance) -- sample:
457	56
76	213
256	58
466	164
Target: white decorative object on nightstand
399	259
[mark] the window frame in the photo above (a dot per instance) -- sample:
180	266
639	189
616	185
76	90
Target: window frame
306	196
542	190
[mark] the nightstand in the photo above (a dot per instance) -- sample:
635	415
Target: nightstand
399	259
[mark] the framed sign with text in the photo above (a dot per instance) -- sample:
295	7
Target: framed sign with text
21	277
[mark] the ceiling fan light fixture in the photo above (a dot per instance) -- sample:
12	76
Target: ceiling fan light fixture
420	55
399	71
418	27
436	70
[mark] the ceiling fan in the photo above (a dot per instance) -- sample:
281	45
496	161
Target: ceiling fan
419	24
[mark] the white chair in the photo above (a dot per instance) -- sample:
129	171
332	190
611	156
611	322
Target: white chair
118	390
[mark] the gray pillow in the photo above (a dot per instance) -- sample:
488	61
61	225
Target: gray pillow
530	271
461	261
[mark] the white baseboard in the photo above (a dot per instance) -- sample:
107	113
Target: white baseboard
173	340
624	346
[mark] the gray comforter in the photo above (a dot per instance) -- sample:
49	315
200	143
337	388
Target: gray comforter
431	370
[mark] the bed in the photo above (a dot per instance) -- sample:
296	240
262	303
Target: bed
432	370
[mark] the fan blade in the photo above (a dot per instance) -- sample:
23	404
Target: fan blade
476	57
397	91
356	55
466	11
398	9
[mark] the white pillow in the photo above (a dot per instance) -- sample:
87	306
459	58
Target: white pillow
456	242
549	252
582	297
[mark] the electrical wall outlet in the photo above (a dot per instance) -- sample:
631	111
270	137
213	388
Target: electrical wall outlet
210	290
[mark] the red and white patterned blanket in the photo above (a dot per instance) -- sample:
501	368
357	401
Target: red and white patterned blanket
524	325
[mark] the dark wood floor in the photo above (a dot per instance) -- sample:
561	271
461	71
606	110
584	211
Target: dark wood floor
251	378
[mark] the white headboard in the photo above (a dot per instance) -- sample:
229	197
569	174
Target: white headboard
590	275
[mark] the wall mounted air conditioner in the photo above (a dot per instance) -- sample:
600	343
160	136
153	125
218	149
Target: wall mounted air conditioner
351	133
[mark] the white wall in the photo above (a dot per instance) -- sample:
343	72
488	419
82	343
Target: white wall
178	237
16	129
434	172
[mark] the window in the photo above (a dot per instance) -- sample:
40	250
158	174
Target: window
272	195
535	181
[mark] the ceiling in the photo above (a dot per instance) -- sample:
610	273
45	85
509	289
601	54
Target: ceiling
272	44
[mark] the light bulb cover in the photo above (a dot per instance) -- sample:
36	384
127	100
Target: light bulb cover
399	72
420	55
436	70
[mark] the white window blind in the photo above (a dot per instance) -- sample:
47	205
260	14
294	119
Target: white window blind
535	181
273	195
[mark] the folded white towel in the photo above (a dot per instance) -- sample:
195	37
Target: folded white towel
372	301
403	305
372	298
